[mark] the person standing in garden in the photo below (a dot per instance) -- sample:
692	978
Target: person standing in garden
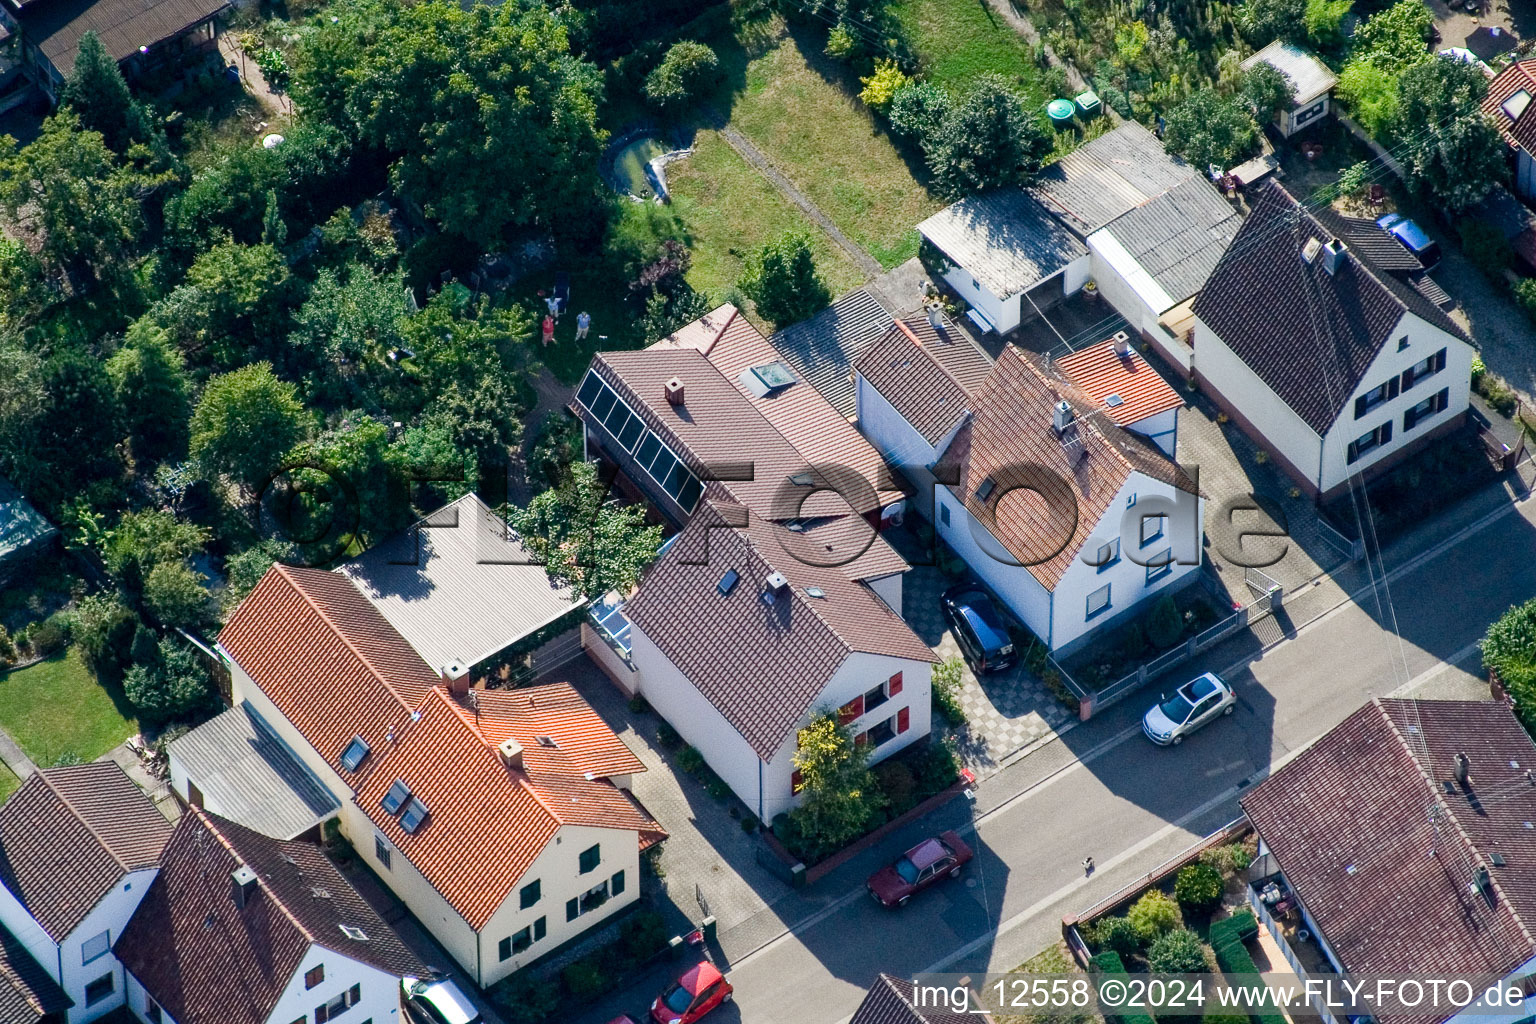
583	324
549	329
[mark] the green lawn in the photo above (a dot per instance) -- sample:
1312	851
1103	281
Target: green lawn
726	208
1051	960
957	41
8	783
56	708
802	109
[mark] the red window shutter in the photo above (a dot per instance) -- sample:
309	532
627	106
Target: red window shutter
903	719
893	685
796	781
320	1014
861	739
853	709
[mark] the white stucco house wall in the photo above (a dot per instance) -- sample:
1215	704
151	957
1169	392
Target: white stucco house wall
1109	522
245	929
1311	80
1337	368
67	912
739	646
416	752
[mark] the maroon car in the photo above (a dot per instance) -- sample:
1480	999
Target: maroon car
918	868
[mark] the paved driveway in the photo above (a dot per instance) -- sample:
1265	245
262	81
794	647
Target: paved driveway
1006	711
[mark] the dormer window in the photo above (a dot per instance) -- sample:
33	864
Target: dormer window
353	756
398	794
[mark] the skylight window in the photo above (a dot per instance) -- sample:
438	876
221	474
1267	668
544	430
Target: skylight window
548	741
815	592
1516	104
728	582
985	490
773	375
354	754
1114	400
415	815
355	934
398	794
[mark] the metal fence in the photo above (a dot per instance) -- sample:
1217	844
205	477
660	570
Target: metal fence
1270	598
1351	548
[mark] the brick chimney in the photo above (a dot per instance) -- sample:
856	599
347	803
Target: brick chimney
456	678
674	391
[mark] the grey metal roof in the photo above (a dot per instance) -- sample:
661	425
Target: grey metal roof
1178	237
245	771
1005	239
20	524
823	349
457	585
1309	76
1102	179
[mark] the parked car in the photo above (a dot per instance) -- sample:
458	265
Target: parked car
700	989
1413	238
943	856
1197	702
979	629
437	1000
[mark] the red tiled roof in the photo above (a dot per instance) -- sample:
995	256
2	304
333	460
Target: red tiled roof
808	421
1100	372
761	667
69	835
486	822
203	958
326	658
716	427
336	668
27	992
1352	823
1010	440
582	741
1521	131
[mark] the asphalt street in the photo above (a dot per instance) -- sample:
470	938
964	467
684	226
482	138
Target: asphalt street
1105	791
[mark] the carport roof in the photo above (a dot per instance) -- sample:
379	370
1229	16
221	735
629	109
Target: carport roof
1176	240
241	767
1005	239
1105	178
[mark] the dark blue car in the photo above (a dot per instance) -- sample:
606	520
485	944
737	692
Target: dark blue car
1413	238
979	629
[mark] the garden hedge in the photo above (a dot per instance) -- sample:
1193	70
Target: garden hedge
1241	926
1109	962
1233	958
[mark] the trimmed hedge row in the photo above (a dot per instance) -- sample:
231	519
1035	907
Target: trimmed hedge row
1240	927
1109	962
1227	939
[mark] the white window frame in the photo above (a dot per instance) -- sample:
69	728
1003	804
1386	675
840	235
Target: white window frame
1091	609
86	956
1147	538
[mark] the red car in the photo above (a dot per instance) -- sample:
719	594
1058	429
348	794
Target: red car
926	863
690	997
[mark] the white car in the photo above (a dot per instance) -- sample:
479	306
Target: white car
437	1000
1197	702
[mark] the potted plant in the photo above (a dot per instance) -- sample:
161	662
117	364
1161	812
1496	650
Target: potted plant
1091	291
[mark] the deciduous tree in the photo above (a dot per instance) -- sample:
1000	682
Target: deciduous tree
838	792
149	379
244	423
989	141
1210	130
782	279
586	539
689	69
